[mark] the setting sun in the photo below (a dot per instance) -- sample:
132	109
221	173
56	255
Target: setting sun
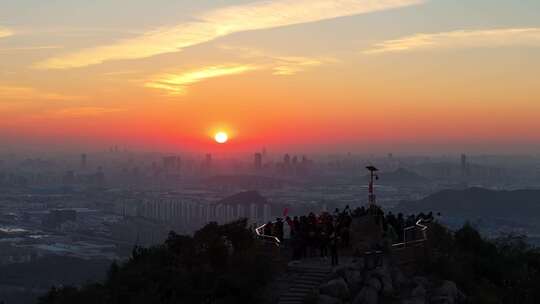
221	137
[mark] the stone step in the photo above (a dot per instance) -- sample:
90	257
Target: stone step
312	278
305	290
305	284
291	299
309	280
297	295
310	268
315	271
316	275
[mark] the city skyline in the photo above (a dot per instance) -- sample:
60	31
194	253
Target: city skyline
403	76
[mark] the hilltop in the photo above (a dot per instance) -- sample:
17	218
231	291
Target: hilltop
479	202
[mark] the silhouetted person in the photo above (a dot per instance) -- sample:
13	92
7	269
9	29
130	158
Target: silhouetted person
291	226
334	241
268	228
278	228
323	240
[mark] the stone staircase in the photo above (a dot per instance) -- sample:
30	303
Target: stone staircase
306	276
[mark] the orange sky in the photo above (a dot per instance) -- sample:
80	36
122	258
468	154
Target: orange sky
347	75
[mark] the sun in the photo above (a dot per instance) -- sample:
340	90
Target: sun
221	137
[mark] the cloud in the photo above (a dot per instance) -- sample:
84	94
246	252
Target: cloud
177	83
4	32
461	39
29	48
77	112
28	93
286	66
218	23
281	65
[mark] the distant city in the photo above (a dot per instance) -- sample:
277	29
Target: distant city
95	207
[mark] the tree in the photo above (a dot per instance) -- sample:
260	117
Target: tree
220	264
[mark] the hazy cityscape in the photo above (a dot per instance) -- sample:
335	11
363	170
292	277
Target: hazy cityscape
94	207
269	152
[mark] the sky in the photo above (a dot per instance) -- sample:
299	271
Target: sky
302	75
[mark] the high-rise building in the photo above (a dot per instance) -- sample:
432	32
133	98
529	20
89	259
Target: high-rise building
464	166
171	164
287	159
258	161
83	161
208	160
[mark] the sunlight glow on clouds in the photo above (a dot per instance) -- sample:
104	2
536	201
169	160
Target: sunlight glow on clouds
29	48
292	65
8	93
177	83
281	65
77	112
4	32
221	22
461	39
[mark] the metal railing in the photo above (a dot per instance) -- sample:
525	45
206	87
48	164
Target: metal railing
267	238
418	227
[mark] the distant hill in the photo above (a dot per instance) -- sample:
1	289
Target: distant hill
478	202
400	175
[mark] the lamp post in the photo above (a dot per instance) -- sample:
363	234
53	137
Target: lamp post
372	177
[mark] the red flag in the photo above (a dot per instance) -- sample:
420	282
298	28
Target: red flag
285	211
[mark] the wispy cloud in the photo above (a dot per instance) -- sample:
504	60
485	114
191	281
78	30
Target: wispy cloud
286	66
10	93
281	65
221	22
30	48
77	112
4	32
461	39
177	83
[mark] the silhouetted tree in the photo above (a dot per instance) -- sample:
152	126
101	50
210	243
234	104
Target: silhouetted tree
505	270
219	264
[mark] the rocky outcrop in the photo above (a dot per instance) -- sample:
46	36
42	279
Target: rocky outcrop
356	283
447	293
324	299
354	280
336	288
368	295
374	283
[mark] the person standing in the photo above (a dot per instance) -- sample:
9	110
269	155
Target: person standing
323	242
334	243
279	229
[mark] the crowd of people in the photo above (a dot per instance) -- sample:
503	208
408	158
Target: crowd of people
325	234
314	235
394	225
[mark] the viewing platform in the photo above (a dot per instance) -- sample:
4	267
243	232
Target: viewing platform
368	246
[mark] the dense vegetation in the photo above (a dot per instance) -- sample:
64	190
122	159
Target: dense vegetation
219	264
224	264
506	270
